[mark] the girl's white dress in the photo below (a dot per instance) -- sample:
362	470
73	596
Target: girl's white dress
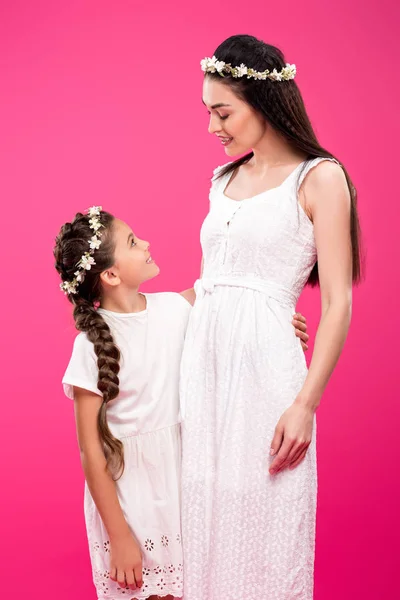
145	417
247	534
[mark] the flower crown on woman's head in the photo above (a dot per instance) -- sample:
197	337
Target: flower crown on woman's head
87	260
213	65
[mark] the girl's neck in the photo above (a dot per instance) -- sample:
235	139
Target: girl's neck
130	302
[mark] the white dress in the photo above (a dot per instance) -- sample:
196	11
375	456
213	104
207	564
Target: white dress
247	534
145	418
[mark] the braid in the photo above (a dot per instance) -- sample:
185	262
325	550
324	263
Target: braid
71	244
89	320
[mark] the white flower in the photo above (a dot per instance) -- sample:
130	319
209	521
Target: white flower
94	211
275	76
79	276
213	65
258	75
68	287
94	243
209	65
288	72
87	261
204	64
94	224
242	70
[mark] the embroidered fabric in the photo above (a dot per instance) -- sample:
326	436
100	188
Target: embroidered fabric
160	580
247	534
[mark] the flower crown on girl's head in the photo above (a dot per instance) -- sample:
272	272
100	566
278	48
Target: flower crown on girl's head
213	65
87	260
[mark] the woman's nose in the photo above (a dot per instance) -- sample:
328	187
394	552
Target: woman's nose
213	125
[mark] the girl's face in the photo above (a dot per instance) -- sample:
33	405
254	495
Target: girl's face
133	264
236	124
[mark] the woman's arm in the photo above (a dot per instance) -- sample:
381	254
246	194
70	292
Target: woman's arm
328	204
126	561
329	201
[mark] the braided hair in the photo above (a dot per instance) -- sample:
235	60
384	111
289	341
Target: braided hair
281	105
71	243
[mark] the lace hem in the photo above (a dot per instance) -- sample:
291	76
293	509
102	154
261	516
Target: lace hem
159	581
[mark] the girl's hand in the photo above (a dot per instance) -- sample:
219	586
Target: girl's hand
292	438
126	562
300	324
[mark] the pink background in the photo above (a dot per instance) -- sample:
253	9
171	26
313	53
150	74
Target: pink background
101	104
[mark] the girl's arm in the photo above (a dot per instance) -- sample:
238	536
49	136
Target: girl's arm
190	294
328	203
126	561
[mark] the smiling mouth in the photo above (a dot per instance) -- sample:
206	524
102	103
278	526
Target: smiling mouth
225	140
149	260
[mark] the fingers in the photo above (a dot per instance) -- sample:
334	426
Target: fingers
294	448
130	580
281	457
277	440
300	451
113	573
298	460
138	576
300	325
121	578
298	317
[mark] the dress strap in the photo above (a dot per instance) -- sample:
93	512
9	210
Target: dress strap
311	164
217	182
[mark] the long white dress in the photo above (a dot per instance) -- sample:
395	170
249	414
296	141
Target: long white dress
247	534
145	417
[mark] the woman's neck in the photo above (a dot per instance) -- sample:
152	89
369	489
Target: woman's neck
274	151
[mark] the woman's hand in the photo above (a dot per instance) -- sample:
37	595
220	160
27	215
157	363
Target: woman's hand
300	324
126	562
292	438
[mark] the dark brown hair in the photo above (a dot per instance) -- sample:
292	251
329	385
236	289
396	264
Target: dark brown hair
281	104
71	243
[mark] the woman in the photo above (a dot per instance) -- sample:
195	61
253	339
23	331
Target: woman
248	402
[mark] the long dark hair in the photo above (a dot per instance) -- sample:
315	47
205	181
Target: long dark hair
281	104
71	243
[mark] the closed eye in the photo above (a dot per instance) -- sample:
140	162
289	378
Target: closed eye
223	118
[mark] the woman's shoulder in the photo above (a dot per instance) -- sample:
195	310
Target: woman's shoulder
322	172
219	170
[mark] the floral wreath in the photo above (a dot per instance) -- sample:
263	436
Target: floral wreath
213	65
87	260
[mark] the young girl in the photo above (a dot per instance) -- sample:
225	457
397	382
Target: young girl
123	376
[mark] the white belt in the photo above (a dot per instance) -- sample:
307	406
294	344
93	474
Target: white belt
207	285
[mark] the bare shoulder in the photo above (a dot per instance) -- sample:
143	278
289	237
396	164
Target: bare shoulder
326	174
324	185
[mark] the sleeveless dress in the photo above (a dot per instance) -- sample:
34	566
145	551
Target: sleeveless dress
247	534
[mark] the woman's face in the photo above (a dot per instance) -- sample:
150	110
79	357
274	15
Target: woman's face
236	124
